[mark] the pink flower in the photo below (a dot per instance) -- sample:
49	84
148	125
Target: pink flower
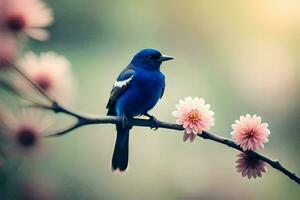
250	166
28	16
194	115
24	130
8	49
51	72
250	133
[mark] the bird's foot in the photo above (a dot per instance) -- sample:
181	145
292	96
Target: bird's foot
154	122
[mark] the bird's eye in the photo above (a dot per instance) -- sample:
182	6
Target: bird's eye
153	57
156	56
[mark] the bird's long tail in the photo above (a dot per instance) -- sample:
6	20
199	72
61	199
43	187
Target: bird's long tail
120	156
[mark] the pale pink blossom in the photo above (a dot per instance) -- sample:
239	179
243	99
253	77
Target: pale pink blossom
8	49
250	133
27	16
249	166
194	115
25	129
52	72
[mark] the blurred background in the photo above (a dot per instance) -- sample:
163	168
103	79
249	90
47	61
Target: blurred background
240	56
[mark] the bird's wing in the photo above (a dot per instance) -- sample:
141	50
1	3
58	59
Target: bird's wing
163	90
121	84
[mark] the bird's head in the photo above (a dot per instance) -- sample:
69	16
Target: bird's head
149	59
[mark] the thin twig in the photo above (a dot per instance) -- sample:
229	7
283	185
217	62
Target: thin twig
32	83
14	91
66	130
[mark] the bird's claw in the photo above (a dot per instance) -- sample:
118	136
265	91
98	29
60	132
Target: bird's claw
154	122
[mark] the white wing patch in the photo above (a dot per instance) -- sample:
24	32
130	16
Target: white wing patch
123	83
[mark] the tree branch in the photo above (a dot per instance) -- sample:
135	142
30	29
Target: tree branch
83	120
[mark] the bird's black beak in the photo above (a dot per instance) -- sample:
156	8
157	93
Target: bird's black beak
165	58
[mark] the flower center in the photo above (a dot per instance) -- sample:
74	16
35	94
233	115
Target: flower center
250	133
252	162
44	82
15	23
194	115
26	137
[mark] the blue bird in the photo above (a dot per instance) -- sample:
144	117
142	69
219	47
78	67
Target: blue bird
136	91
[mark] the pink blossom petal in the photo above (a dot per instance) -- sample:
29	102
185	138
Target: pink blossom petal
27	16
192	137
185	137
194	115
249	166
249	132
52	72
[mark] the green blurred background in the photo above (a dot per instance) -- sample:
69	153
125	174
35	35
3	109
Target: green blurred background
240	56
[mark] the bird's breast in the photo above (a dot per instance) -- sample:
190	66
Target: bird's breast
151	84
144	93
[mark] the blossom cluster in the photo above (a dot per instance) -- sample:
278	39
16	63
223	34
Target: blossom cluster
20	20
248	132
